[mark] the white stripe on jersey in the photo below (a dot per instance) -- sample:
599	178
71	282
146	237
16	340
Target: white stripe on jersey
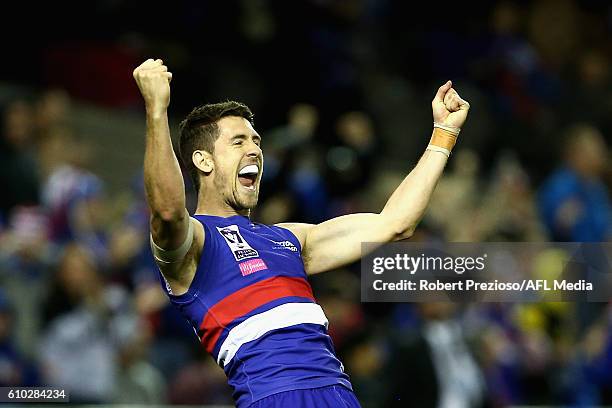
285	315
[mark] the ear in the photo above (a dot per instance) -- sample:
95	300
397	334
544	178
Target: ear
203	161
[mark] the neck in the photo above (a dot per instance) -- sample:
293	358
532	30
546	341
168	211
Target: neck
220	209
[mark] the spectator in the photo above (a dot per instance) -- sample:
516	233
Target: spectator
19	182
138	380
574	202
438	361
78	350
73	196
15	369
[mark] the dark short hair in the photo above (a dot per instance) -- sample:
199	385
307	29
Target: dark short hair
199	131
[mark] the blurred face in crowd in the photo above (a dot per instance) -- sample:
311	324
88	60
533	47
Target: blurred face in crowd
304	117
237	163
77	272
586	152
52	108
356	130
17	123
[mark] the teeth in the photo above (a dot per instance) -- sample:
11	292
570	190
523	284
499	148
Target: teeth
250	169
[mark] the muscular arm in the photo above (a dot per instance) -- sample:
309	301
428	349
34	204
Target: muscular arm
337	242
164	186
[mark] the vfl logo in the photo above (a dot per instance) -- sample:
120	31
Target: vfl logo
239	247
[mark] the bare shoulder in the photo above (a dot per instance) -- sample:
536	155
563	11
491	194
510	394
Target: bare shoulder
299	229
198	236
179	275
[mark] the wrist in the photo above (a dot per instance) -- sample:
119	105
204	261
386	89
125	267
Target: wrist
451	129
443	139
156	113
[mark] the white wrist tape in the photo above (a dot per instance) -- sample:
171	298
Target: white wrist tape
454	130
439	149
175	255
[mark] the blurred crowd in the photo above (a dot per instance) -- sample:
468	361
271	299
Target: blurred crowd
341	93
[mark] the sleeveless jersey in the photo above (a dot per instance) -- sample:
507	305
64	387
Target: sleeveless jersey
253	310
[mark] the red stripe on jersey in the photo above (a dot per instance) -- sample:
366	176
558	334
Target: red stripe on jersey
247	299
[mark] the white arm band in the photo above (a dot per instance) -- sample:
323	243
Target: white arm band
442	150
176	255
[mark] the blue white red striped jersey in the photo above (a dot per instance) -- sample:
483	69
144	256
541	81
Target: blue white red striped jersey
254	312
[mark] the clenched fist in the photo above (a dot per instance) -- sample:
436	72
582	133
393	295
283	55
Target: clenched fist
448	107
153	80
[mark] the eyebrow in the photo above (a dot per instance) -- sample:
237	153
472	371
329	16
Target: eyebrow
240	136
243	136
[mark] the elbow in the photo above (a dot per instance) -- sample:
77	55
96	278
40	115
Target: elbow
166	209
169	215
400	228
404	234
404	230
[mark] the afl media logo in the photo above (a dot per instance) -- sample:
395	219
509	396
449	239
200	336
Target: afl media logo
239	247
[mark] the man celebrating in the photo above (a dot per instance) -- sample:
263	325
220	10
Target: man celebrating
242	285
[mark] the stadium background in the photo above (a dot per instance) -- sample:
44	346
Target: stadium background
341	91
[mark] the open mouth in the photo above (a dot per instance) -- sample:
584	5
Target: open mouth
247	176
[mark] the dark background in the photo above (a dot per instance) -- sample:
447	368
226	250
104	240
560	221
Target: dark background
341	92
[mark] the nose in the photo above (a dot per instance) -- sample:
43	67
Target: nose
254	150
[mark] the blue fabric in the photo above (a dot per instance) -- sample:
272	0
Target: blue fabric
594	224
296	357
333	396
300	356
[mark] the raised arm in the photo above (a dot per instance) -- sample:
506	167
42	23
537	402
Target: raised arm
337	242
407	204
163	180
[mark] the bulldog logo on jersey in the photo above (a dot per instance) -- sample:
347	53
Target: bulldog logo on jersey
238	245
